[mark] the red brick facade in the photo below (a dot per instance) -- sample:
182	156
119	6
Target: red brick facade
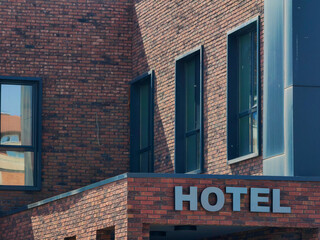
134	204
86	52
164	30
82	52
80	215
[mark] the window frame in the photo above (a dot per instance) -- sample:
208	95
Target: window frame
133	121
36	84
232	85
179	161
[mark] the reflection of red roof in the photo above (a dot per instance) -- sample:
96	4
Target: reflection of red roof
10	123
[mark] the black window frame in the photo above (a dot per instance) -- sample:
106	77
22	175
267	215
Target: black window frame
180	134
233	114
135	121
36	84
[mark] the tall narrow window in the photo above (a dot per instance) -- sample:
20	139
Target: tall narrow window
141	120
188	152
243	99
20	130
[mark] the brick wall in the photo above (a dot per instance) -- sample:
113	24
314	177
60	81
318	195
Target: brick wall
85	53
81	215
151	202
82	51
166	29
132	205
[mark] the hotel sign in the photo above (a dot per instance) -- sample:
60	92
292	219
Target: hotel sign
259	199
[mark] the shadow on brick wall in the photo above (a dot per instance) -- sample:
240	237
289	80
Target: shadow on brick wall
163	160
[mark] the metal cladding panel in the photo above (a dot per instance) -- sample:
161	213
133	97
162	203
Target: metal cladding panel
306	131
306	39
274	166
306	83
273	108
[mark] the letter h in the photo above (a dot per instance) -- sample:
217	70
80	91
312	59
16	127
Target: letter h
192	198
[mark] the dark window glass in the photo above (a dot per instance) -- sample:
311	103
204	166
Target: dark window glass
142	125
188	113
19	143
70	238
105	234
247	92
242	92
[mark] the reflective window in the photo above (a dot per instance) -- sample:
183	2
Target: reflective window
243	89
16	112
19	143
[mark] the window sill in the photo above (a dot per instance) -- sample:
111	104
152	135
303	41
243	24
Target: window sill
197	171
242	158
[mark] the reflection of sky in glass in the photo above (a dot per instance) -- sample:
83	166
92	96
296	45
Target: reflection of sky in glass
10	99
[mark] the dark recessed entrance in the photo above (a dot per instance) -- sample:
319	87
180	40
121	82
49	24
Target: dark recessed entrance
193	232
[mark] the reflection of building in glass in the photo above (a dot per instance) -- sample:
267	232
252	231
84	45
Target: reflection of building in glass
11	162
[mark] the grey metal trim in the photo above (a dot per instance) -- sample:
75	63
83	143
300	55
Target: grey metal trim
255	19
288	44
209	176
142	76
243	158
189	53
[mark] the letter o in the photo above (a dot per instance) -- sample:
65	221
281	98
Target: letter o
205	199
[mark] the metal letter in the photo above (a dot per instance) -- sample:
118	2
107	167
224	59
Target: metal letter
192	198
205	199
276	208
255	199
236	196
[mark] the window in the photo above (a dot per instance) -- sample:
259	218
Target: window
243	92
20	133
105	234
141	123
188	127
70	238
